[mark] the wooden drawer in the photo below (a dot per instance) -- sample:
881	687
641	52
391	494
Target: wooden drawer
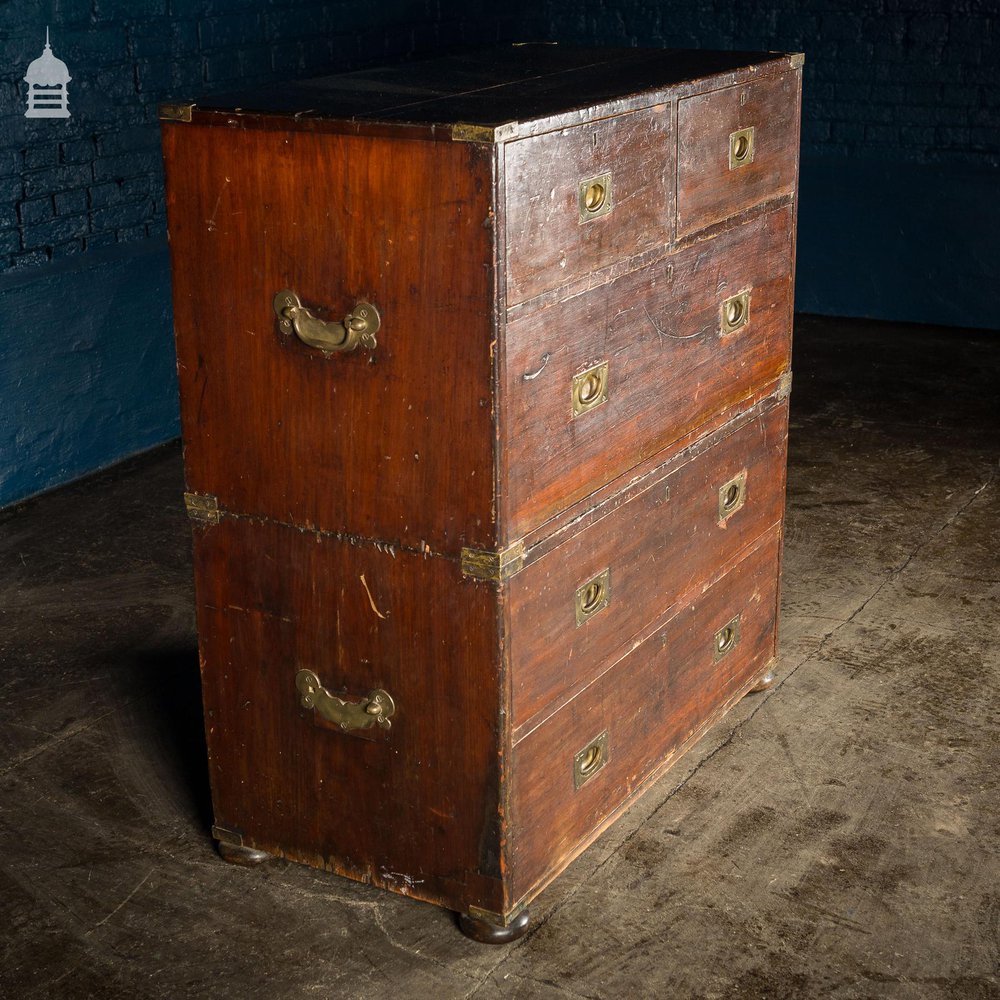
713	182
670	365
551	237
676	533
654	702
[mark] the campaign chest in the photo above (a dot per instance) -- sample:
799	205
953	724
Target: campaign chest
484	369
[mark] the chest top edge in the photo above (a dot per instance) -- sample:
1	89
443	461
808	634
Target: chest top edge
454	99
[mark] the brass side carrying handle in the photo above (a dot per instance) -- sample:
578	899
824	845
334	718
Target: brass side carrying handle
376	709
357	330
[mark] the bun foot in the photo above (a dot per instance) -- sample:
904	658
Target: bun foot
767	681
487	933
236	854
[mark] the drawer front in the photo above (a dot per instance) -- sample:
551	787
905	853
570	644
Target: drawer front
670	365
363	442
557	228
636	717
735	148
696	516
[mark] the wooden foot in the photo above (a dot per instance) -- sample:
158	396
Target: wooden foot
487	933
767	681
236	854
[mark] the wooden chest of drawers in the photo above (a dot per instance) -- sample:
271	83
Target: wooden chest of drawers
484	366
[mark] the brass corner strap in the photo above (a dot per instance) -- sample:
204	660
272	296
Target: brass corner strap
467	132
785	386
482	564
174	111
202	507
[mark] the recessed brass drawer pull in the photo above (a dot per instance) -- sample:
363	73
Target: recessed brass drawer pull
376	709
732	496
588	761
590	388
741	148
593	596
595	197
357	330
726	638
735	312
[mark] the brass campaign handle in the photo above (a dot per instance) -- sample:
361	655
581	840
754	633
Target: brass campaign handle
357	330
374	710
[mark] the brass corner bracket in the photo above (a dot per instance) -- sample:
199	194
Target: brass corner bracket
797	60
465	132
202	507
173	111
496	566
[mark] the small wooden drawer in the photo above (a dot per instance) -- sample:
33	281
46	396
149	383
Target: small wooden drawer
664	354
573	774
698	513
584	197
736	147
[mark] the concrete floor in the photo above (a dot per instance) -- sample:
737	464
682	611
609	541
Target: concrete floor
835	837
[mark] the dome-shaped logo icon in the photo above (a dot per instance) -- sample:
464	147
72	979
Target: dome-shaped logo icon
46	78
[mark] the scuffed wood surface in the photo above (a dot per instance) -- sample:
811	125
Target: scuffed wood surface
393	444
650	704
670	368
707	189
658	546
547	244
416	809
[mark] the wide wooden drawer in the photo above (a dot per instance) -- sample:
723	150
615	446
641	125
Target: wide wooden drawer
559	225
659	340
698	512
735	147
573	774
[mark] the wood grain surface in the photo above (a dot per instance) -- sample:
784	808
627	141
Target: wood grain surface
657	546
708	190
670	368
394	444
415	810
650	704
547	244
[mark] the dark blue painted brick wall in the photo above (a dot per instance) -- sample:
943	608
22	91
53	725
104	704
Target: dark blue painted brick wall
95	179
911	79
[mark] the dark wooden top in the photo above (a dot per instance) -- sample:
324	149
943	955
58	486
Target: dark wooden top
493	94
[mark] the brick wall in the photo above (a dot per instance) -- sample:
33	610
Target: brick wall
95	179
917	80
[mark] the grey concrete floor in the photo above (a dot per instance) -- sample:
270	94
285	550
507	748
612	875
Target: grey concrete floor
834	837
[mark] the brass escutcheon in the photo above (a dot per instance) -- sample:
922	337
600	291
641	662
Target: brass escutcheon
741	148
726	638
595	197
735	312
593	596
590	388
588	761
732	496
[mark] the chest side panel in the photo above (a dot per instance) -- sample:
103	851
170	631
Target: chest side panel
393	442
414	806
